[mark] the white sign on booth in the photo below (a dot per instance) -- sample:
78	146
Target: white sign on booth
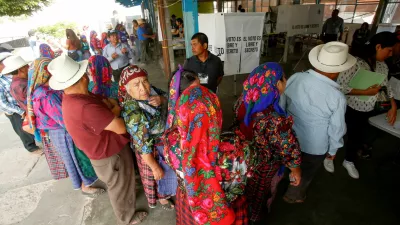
300	19
239	46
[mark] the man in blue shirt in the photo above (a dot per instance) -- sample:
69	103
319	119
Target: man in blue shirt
12	111
318	108
118	54
144	37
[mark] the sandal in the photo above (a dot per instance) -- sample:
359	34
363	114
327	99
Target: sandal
293	201
94	192
169	206
138	218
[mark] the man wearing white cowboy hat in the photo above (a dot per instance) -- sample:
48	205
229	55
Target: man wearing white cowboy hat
95	125
18	68
12	110
318	107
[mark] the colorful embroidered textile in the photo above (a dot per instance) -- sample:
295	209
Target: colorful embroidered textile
46	51
104	41
199	120
260	90
53	158
101	73
94	41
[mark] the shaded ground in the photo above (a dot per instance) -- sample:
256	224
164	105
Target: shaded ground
28	195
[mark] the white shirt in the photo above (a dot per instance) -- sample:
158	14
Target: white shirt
318	108
354	101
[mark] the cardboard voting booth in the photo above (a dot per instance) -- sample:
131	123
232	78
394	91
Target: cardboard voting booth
300	19
235	38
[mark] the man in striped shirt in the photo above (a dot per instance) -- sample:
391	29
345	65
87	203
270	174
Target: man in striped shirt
12	111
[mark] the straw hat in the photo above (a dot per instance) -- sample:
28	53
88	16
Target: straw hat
13	63
332	57
140	21
4	55
65	72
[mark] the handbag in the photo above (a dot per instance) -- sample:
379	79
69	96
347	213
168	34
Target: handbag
74	55
383	103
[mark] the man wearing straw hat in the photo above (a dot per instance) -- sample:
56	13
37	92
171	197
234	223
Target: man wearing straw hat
12	110
318	108
95	125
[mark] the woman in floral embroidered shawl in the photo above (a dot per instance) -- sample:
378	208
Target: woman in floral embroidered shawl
264	122
144	117
100	74
191	147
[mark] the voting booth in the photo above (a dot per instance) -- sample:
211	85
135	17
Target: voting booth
235	38
299	19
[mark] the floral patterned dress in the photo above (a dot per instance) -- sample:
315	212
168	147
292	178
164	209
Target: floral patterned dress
146	124
275	143
198	121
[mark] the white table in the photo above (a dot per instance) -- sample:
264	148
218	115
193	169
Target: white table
380	122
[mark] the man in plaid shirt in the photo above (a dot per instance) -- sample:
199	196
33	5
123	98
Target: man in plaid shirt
13	112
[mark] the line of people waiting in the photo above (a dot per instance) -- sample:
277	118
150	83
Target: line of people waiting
89	125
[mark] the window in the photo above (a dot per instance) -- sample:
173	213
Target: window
392	13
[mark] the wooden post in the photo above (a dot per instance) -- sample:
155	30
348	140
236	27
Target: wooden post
165	52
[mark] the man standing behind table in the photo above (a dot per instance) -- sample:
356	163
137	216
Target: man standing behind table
12	110
95	125
208	66
118	54
332	27
318	108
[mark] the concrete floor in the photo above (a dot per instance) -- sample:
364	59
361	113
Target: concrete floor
29	196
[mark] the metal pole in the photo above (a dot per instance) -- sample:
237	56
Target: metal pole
167	65
285	52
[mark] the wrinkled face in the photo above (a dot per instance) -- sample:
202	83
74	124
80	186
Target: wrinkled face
113	38
197	47
139	88
383	53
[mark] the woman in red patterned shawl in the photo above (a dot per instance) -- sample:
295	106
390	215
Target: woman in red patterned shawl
264	122
194	122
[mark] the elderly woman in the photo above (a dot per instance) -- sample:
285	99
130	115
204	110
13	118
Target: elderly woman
44	108
100	74
264	122
145	121
192	149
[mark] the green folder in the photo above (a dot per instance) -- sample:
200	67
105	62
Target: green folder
365	79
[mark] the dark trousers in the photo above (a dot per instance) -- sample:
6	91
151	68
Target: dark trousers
117	73
27	139
309	167
359	132
144	51
330	37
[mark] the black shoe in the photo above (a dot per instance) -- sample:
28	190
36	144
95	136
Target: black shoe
366	153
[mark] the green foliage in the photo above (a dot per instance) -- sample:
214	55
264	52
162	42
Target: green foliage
21	7
57	30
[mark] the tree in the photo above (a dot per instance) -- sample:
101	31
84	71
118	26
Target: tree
21	7
57	30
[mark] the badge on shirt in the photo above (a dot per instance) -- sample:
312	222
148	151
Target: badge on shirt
203	78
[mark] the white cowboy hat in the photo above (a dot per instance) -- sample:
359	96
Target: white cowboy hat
65	72
332	57
13	63
4	55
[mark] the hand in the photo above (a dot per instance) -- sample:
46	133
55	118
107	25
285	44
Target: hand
330	157
153	36
391	116
124	50
116	110
296	176
373	90
114	55
158	173
108	103
156	100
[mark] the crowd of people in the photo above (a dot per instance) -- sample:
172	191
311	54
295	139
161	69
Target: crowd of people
97	117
